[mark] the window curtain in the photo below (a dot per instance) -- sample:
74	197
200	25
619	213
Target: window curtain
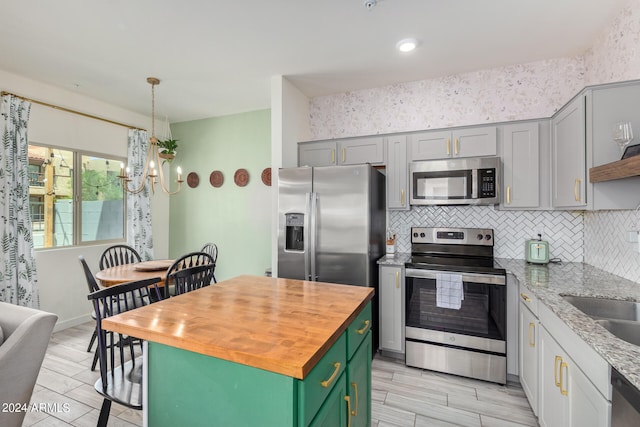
139	234
18	278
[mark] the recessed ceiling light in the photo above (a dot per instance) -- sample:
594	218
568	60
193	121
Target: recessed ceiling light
406	45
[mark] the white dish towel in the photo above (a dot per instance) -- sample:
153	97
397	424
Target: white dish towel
449	290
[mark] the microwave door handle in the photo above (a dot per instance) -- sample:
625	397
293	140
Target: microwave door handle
306	234
474	184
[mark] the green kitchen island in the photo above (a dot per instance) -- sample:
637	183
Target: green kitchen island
256	351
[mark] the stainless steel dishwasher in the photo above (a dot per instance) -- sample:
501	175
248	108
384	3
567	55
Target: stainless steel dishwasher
625	402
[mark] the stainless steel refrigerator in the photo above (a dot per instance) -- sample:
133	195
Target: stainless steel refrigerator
331	224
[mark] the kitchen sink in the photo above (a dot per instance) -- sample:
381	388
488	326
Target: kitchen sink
603	308
626	330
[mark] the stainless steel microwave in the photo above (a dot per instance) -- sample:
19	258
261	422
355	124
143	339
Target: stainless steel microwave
466	181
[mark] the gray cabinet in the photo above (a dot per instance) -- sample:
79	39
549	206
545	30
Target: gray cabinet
528	346
319	153
342	152
391	301
568	156
521	165
464	142
574	383
397	173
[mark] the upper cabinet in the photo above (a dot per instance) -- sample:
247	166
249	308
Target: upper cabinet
465	142
568	156
521	165
397	173
582	137
342	152
606	106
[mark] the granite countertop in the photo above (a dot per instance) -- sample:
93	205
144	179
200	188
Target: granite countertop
397	259
549	282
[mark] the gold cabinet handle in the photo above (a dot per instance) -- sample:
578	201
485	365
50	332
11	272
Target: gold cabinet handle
333	155
576	190
448	147
456	147
342	154
564	392
525	297
397	280
364	328
348	399
555	370
532	333
355	387
508	194
402	197
326	383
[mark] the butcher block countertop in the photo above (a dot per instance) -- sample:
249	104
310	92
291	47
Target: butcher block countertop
279	325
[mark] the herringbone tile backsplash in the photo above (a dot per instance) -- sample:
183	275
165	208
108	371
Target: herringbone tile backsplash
606	245
598	238
563	230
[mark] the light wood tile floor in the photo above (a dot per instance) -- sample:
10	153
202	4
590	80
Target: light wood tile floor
401	396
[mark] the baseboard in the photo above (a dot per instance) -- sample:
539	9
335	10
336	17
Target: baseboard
70	323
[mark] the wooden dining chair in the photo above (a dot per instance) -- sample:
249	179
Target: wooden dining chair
191	259
211	249
192	278
120	376
118	255
93	286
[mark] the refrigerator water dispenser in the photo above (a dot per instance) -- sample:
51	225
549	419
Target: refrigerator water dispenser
294	232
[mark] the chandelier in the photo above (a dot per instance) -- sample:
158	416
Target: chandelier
153	164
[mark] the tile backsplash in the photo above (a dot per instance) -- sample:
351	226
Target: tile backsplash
606	245
563	230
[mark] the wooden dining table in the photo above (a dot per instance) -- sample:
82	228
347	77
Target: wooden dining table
132	272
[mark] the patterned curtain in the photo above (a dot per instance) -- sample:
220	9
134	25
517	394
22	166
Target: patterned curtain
139	234
18	279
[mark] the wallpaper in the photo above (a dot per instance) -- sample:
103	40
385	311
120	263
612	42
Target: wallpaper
526	91
517	92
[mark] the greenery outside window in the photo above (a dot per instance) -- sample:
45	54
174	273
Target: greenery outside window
75	197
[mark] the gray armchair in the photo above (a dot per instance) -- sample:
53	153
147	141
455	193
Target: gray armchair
26	335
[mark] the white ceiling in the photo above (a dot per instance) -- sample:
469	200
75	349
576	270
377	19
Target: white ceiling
217	57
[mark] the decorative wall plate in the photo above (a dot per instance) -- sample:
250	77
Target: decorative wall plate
266	177
241	177
216	179
193	180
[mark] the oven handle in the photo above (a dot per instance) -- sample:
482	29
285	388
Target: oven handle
466	277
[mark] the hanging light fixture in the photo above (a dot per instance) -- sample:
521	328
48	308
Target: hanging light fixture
152	165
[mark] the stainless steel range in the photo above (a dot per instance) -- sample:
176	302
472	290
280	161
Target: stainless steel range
456	304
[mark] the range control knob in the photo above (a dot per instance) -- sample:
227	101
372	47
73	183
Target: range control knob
422	234
415	234
479	236
487	237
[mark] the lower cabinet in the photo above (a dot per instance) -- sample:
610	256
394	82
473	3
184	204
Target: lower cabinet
332	413
391	300
528	346
359	385
348	403
567	396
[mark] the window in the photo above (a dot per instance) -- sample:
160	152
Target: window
75	197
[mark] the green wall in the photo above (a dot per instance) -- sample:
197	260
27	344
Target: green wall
237	219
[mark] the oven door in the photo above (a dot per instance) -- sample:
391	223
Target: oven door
482	311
